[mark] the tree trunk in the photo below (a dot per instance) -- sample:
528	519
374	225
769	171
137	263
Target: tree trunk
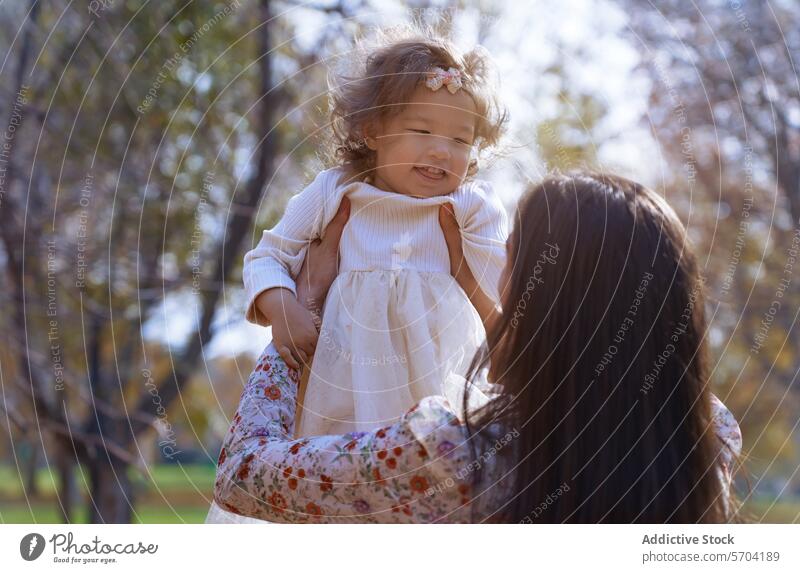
29	483
67	490
111	499
111	495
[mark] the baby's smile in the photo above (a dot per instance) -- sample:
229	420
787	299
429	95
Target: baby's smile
432	174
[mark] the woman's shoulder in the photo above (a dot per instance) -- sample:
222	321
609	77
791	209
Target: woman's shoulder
726	426
433	413
433	423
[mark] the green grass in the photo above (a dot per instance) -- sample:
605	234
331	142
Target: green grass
172	493
173	477
165	493
47	512
162	477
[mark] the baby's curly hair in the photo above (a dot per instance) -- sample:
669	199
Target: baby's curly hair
386	74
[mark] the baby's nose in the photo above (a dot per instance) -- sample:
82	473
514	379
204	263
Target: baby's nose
439	150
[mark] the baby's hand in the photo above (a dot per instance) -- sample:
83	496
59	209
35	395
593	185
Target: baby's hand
293	330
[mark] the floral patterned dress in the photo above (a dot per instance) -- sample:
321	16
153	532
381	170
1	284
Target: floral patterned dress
414	471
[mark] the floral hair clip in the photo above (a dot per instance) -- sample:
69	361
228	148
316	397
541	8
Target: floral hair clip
451	78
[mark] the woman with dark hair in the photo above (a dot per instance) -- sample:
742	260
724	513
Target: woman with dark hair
600	409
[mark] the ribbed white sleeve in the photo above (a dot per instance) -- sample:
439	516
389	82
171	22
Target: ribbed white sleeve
484	230
277	258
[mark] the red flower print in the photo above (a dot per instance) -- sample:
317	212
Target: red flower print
277	501
381	433
404	504
376	473
272	392
292	483
422	453
397	451
327	483
295	447
301	473
350	445
287	472
222	455
391	463
382	454
463	489
243	472
313	508
418	483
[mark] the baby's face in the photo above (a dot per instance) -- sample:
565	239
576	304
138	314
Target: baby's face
424	150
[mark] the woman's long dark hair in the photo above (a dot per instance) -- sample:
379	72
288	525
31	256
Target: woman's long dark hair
601	361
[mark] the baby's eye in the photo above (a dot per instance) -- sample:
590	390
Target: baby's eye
463	141
425	131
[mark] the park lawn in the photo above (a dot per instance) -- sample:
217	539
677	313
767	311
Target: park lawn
46	512
161	477
174	493
757	511
165	493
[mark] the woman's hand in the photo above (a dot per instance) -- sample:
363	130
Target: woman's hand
460	269
294	331
321	265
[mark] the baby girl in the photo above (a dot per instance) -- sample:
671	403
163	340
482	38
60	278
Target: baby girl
396	327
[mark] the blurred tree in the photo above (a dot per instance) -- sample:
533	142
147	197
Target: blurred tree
146	137
569	139
725	107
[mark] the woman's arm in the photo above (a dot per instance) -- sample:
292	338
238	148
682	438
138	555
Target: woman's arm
406	472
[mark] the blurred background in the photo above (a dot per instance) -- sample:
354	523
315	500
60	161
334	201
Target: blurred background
146	144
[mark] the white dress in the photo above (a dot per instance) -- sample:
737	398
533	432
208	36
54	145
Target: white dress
396	326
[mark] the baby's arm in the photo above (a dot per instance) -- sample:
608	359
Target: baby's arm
484	230
277	258
270	267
